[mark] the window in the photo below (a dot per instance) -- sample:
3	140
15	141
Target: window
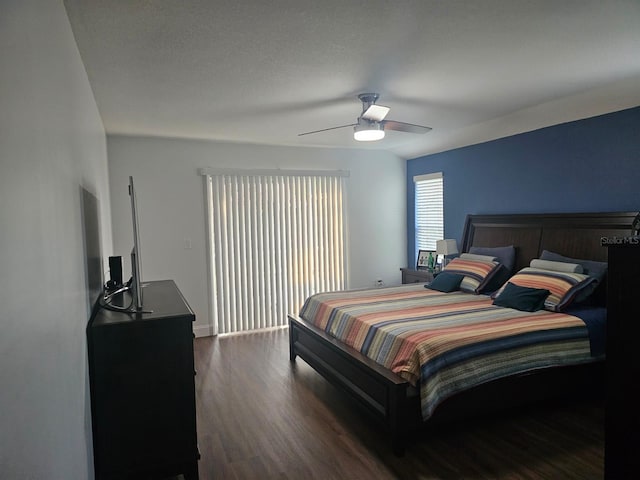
429	219
275	238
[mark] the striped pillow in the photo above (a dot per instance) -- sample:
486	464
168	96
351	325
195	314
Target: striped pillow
563	285
477	273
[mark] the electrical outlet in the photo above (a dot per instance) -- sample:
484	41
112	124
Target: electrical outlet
379	282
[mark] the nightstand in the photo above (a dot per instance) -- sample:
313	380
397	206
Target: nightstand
416	276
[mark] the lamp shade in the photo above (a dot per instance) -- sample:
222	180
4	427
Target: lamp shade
446	247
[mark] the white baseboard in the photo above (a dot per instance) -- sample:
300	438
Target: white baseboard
203	331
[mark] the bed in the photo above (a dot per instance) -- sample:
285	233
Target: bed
396	389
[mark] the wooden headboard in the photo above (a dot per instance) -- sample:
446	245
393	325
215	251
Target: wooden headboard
575	235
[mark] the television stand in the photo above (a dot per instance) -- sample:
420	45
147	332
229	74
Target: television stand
141	375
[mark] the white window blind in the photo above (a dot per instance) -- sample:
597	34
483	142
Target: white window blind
429	218
275	239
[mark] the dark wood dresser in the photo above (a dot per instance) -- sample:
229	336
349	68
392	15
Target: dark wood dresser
141	372
622	424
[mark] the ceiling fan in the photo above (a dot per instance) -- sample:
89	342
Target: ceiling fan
371	123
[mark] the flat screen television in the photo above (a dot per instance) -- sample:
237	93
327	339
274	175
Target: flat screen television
90	212
136	262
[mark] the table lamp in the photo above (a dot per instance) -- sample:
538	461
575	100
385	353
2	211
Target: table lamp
446	247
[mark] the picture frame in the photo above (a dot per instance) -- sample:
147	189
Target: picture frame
423	259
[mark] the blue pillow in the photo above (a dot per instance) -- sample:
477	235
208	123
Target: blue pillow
507	258
505	255
446	282
526	299
589	267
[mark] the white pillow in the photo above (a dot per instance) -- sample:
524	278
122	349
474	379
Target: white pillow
556	266
479	258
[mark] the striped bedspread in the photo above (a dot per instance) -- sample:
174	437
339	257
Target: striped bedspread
445	343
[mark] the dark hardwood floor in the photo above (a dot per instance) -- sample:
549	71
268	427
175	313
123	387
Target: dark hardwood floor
261	416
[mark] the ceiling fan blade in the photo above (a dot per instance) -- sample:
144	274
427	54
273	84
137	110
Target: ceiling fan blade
327	129
404	127
375	112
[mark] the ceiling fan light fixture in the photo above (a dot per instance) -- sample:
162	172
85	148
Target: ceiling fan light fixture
368	133
372	123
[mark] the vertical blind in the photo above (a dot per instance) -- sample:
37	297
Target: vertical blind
275	239
429	219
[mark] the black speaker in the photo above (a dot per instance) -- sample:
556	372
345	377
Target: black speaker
115	270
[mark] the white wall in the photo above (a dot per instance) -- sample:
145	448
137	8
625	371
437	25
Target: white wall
52	144
170	196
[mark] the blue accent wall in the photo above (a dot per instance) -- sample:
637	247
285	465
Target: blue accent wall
590	165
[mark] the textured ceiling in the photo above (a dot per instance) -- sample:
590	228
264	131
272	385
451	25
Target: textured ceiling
257	71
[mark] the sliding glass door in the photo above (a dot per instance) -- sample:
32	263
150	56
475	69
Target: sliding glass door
275	239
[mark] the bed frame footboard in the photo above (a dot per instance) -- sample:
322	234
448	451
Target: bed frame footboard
387	397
